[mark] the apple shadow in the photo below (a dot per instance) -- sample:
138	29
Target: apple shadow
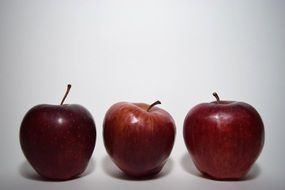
112	170
26	171
188	165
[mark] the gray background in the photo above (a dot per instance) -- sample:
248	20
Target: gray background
177	51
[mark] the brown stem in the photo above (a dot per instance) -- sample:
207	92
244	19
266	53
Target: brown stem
153	104
216	96
66	93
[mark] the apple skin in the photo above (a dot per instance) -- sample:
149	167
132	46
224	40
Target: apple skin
224	138
138	141
58	140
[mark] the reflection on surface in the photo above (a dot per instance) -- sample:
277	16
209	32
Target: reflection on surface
112	170
26	170
188	166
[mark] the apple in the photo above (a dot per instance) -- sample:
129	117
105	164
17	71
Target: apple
138	137
224	138
58	140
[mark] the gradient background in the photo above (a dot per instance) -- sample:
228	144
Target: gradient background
177	51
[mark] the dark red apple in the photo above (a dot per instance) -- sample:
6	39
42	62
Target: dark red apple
58	140
138	137
224	138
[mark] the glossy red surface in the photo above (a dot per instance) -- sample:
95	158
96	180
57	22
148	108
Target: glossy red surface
224	139
139	142
58	141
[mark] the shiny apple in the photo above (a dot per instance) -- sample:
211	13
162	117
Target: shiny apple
58	140
224	138
138	137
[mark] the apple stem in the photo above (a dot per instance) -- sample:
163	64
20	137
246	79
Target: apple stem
216	96
66	93
153	104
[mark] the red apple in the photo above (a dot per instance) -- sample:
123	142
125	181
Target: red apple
138	137
224	138
58	140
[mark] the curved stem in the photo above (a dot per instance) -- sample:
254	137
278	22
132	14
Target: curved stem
66	93
216	96
153	104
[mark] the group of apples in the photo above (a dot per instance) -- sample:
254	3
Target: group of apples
224	138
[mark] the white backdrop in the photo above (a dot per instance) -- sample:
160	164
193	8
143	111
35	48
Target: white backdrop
177	51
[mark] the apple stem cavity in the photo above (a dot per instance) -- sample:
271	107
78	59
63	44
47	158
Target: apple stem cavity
153	104
217	97
66	93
